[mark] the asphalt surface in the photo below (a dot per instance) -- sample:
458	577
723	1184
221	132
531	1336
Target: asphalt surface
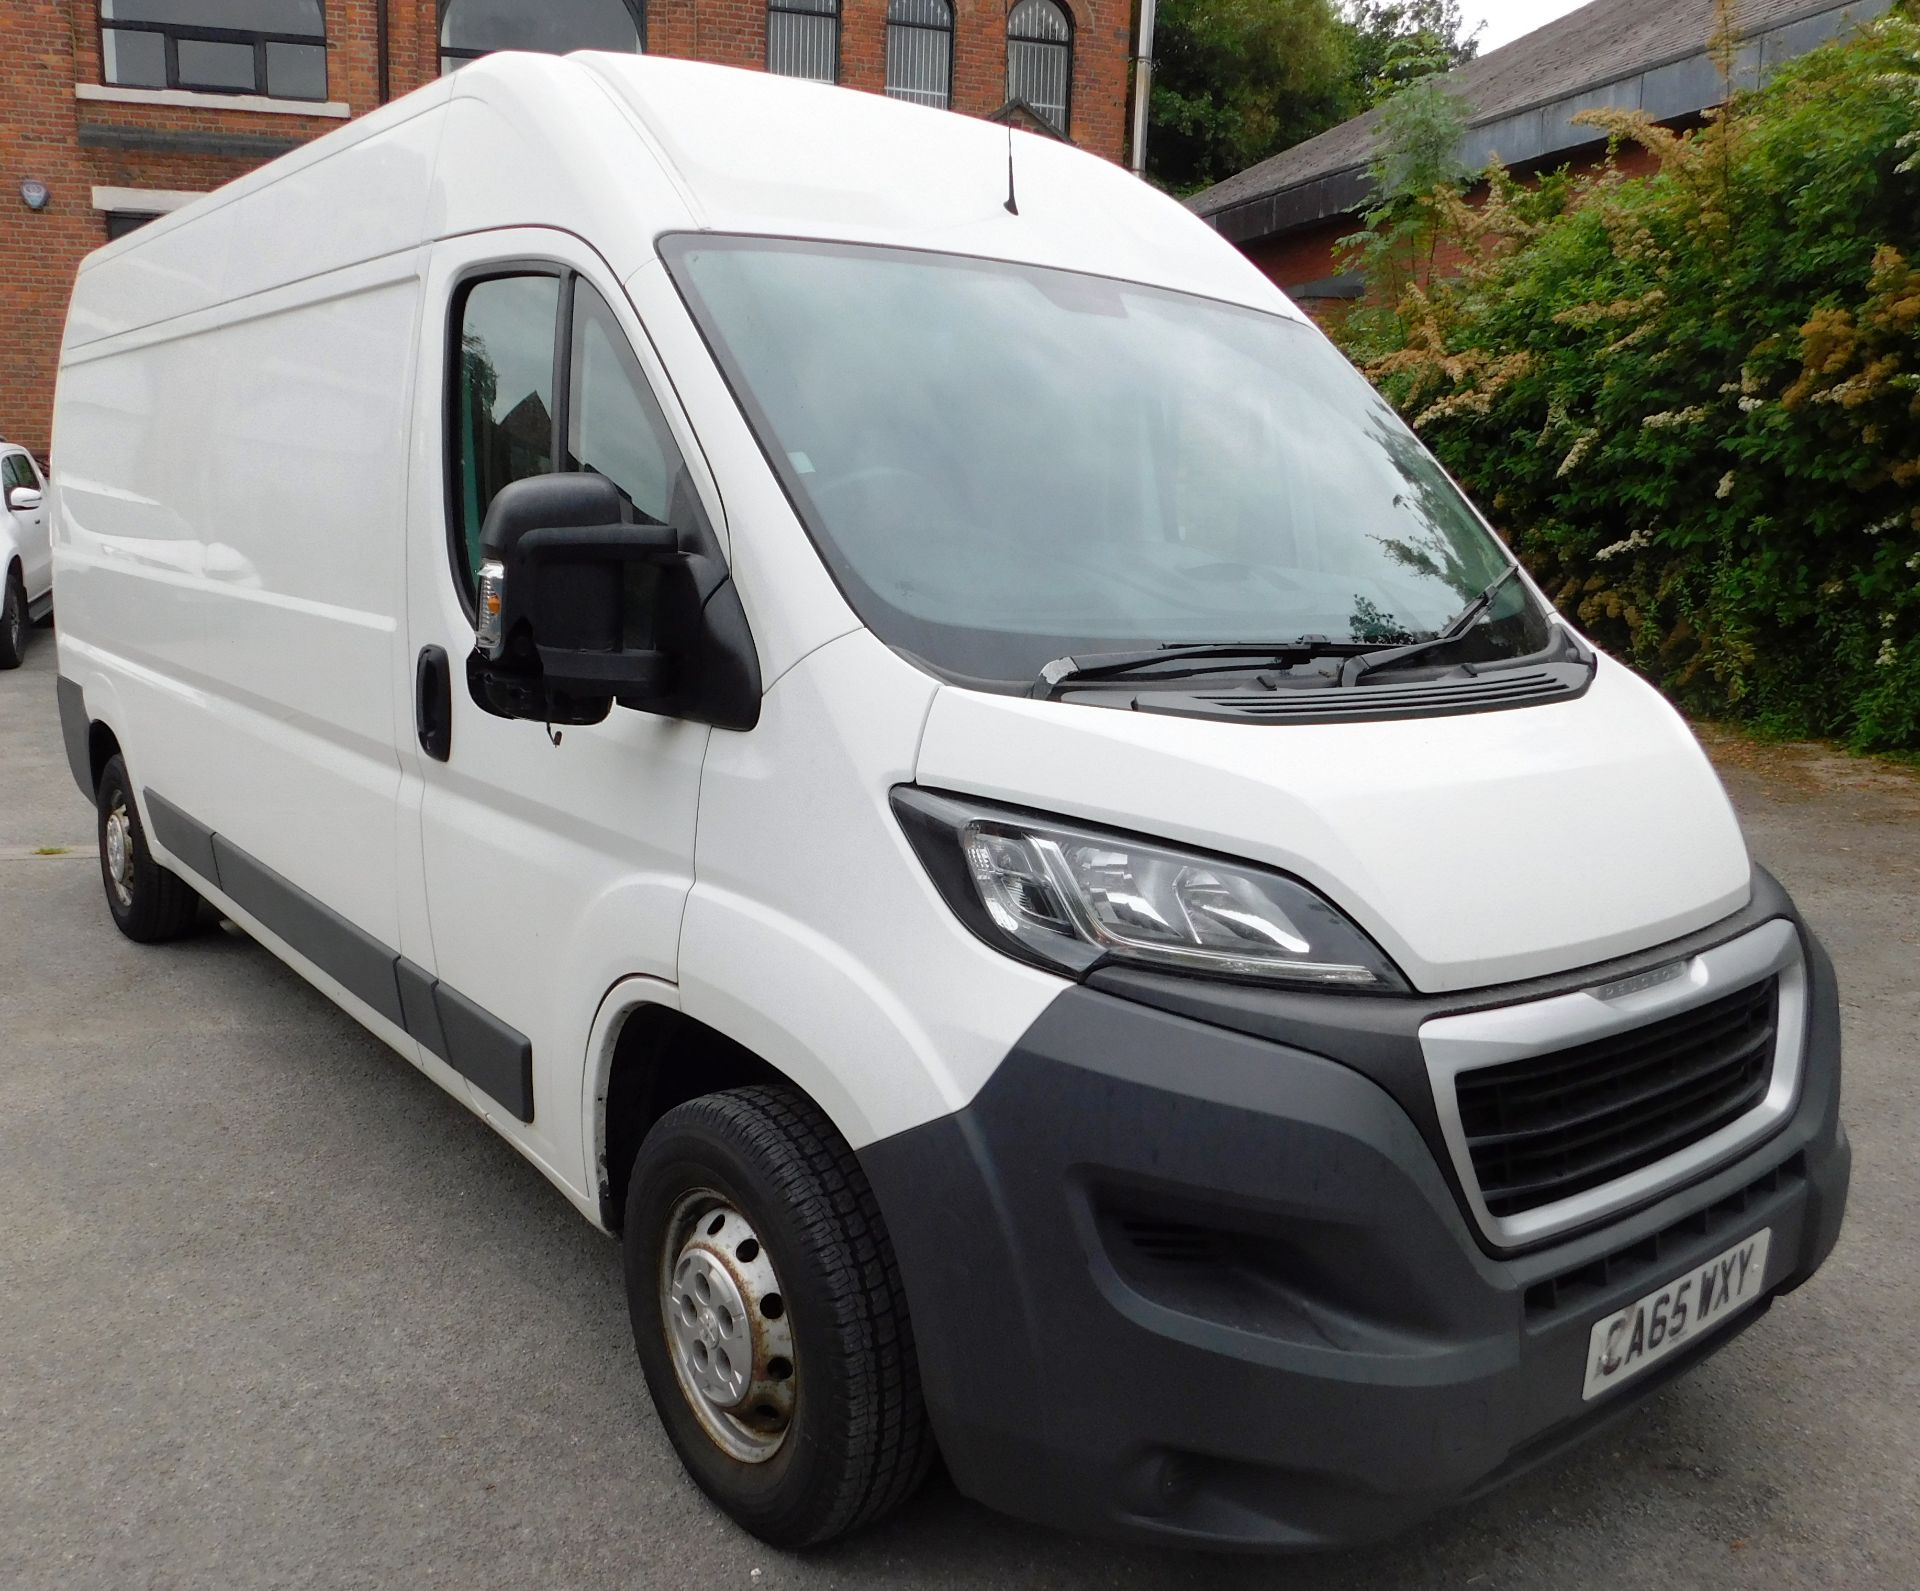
276	1312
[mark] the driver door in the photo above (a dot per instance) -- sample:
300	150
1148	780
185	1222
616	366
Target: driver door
553	861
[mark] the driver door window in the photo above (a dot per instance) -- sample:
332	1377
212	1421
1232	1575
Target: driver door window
503	410
505	422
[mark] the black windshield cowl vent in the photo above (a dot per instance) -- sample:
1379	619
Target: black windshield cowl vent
1459	690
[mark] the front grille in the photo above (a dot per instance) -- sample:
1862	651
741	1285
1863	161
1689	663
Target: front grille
1551	1126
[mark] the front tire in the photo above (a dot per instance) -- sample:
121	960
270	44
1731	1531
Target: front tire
769	1317
149	904
13	621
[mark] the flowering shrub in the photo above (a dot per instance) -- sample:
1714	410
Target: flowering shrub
1692	398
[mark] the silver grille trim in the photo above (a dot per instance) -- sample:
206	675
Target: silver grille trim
1473	1039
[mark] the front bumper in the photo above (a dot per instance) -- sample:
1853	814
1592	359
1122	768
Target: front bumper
1177	1281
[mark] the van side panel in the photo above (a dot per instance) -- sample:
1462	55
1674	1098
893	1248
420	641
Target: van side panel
232	544
144	280
230	538
354	195
363	203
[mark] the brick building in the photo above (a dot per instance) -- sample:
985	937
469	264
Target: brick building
1289	212
119	110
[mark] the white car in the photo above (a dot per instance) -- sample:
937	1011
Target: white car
870	695
26	595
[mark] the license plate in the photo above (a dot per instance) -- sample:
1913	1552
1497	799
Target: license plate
1687	1308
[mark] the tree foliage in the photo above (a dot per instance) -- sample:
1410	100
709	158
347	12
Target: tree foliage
1394	43
1235	81
1414	160
1692	397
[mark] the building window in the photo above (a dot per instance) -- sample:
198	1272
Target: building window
272	47
1040	59
121	222
803	39
920	51
470	29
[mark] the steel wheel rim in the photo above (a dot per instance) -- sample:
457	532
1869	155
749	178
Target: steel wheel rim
723	1317
119	843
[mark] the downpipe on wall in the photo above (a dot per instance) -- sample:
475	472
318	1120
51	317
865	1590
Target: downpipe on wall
1142	86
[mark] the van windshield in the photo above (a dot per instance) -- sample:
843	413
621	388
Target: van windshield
1004	464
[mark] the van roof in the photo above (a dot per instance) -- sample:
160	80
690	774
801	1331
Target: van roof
517	139
754	152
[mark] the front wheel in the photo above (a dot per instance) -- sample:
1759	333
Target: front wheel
769	1317
149	903
13	621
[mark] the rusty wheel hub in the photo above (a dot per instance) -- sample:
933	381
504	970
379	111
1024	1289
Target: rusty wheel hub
726	1323
119	839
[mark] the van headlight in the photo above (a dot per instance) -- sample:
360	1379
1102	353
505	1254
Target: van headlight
1073	898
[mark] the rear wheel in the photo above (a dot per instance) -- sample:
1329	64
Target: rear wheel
13	620
149	904
769	1317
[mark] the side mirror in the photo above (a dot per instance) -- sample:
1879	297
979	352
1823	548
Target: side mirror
23	499
551	627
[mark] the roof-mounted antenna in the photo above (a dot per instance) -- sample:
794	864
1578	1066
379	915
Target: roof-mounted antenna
1013	207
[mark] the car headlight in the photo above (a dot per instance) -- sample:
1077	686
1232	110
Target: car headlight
1073	898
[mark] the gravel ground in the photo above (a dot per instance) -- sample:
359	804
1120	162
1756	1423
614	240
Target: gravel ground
276	1312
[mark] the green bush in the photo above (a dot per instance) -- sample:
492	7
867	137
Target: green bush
1692	398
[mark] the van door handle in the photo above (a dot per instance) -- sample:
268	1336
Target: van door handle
433	702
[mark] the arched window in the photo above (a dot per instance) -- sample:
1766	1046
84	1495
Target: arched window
803	39
473	28
1040	59
276	47
920	51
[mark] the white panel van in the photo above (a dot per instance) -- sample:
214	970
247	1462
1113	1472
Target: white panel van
865	691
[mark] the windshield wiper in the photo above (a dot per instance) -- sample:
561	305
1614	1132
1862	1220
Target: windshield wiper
1152	661
1358	666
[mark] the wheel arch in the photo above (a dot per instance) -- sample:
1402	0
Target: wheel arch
90	715
647	1055
89	740
103	745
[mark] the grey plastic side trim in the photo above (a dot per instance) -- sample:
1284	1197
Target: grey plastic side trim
74	725
416	1001
191	842
345	953
1456	1044
495	1058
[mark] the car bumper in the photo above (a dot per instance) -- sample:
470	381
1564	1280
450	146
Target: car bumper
1175	1281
